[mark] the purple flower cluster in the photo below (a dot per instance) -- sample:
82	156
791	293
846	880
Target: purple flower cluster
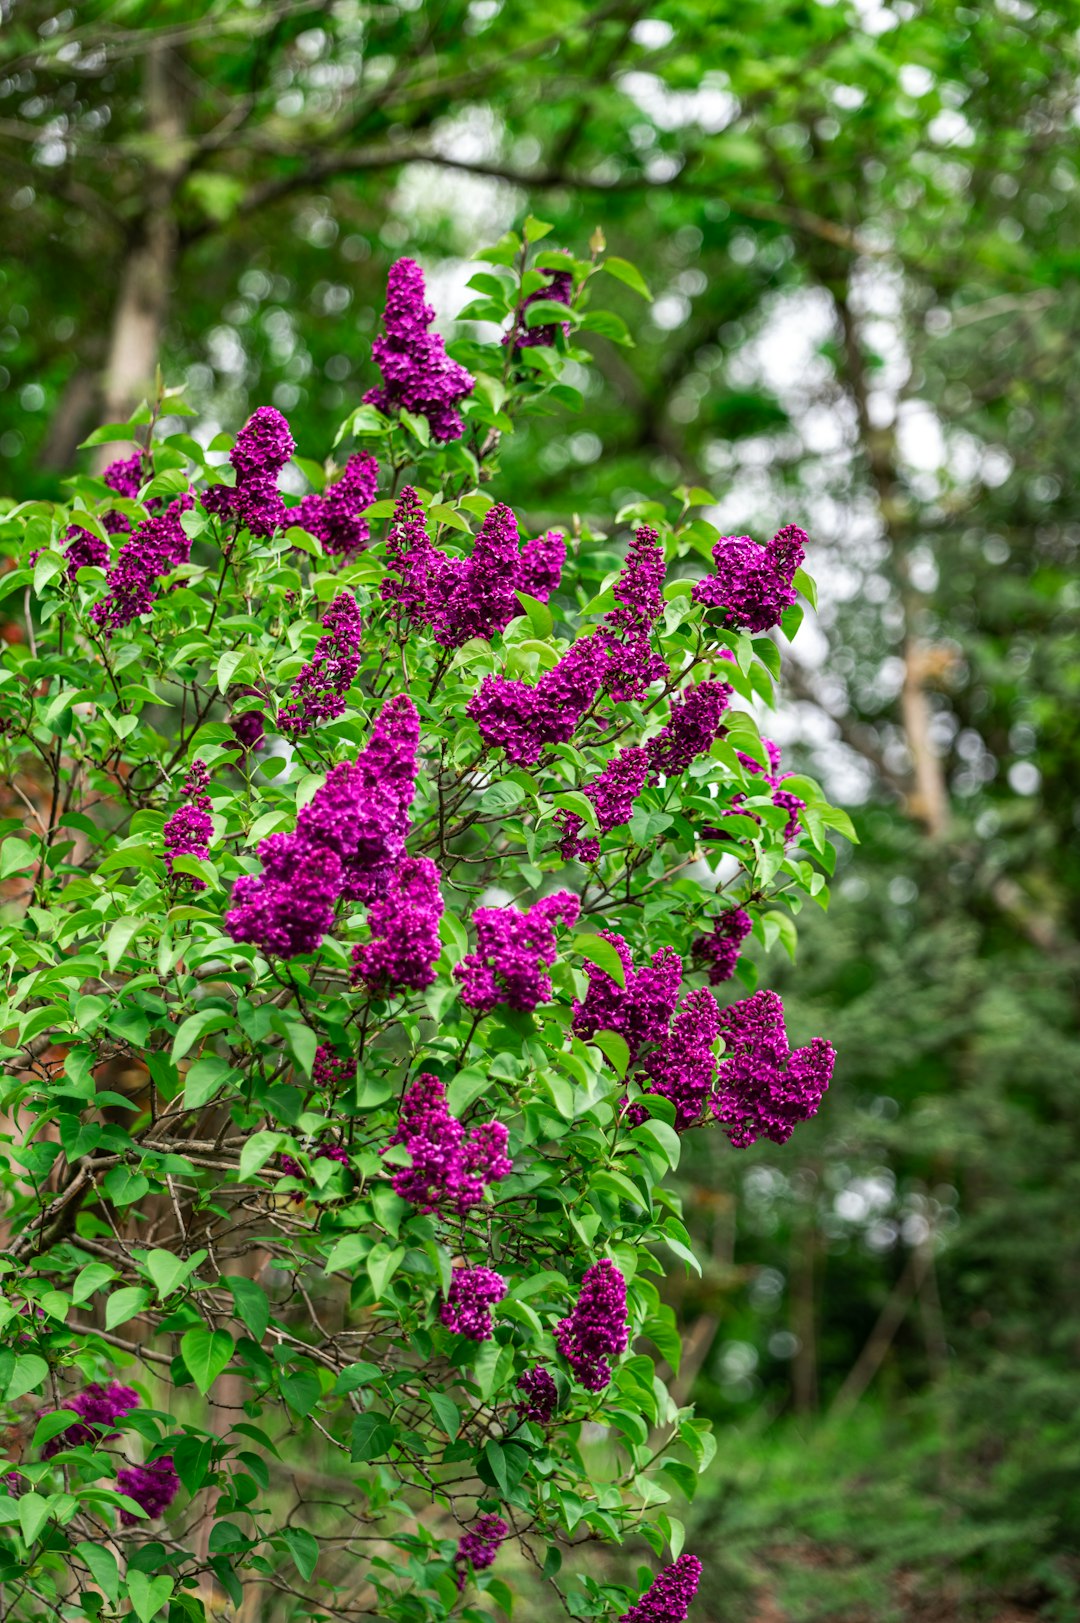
125	477
681	1067
523	720
330	1071
84	551
418	375
347	841
627	629
642	1011
479	1547
559	290
99	1408
325	1151
249	726
404	946
597	1330
334	515
319	692
753	584
539	1395
157	546
774	778
694	726
152	1486
263	446
612	793
764	1090
473	1292
451	1166
189	830
720	948
459	598
514	950
668	1597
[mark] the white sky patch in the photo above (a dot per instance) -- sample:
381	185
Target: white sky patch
711	106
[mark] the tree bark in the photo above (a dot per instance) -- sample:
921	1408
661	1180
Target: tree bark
146	277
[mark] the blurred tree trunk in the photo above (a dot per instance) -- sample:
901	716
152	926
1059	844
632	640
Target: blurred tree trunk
146	277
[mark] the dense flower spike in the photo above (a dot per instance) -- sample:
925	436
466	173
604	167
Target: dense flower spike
633	665
640	1013
559	290
334	515
694	726
157	546
753	584
539	1395
404	946
521	720
597	1330
541	565
319	692
410	558
763	1090
479	1547
189	830
476	596
288	908
361	812
613	794
418	375
263	446
85	551
451	1166
126	475
720	948
513	953
99	1408
682	1068
331	1071
668	1597
249	726
152	1486
473	1292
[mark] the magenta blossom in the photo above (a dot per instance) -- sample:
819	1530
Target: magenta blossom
763	1090
597	1329
418	375
514	951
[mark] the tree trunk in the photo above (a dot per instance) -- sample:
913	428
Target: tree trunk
146	277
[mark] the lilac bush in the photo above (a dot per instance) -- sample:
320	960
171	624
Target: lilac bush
396	874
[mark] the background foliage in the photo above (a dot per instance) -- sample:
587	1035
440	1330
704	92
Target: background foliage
860	224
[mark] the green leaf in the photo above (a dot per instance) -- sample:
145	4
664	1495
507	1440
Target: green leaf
169	1272
467	1086
90	1279
228	665
302	1044
256	1151
124	1305
103	1568
125	1186
148	1595
623	271
807	585
303	1548
447	1411
572	800
615	1048
603	955
205	1354
540	617
372	1436
534	230
15	854
28	1374
252	1305
33	1514
204	1078
382	1263
119	938
195	1027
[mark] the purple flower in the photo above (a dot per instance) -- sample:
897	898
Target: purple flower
682	1068
152	1486
613	794
781	797
189	830
668	1597
476	596
720	949
560	290
694	726
627	630
451	1167
334	516
126	475
597	1329
319	692
157	546
263	445
418	375
763	1090
539	1395
410	556
99	1408
288	908
325	1151
361	812
249	726
541	566
642	1011
85	551
404	946
521	720
752	584
513	953
331	1070
479	1547
473	1292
